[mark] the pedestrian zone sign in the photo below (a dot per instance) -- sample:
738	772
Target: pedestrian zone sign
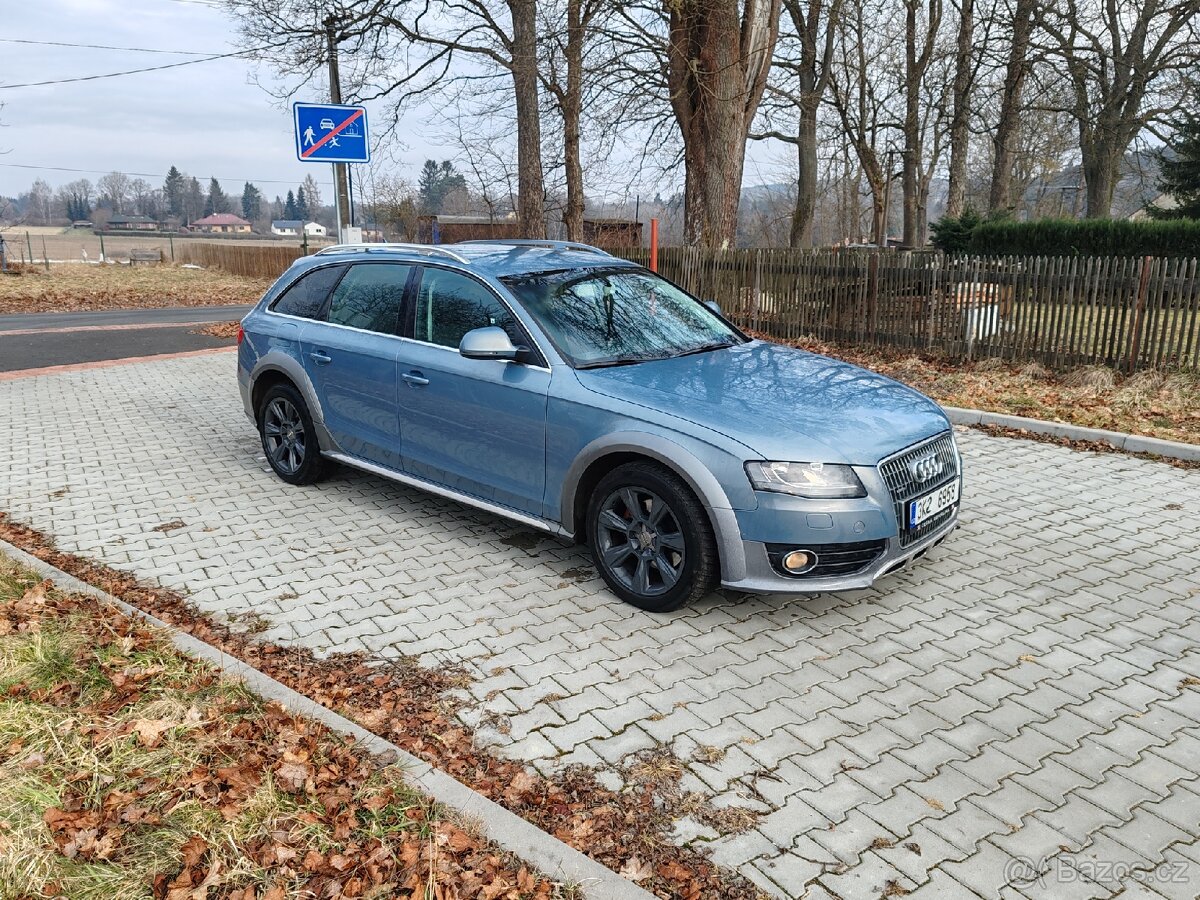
331	133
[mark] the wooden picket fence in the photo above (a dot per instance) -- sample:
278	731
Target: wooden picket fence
250	260
1125	313
1128	313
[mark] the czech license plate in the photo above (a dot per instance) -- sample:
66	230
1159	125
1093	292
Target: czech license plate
933	503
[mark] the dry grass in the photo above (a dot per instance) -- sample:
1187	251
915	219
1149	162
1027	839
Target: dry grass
1148	403
129	770
76	287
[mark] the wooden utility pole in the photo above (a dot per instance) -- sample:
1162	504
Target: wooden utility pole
341	181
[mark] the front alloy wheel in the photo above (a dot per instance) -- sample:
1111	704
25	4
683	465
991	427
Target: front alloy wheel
651	538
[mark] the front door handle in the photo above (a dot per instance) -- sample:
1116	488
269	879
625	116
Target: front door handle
321	359
416	379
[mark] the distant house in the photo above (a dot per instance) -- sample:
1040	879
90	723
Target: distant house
222	223
452	229
292	227
612	234
132	223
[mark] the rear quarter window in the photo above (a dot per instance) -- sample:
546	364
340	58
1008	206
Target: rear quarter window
306	297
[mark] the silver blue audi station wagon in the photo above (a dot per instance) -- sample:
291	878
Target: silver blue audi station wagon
578	393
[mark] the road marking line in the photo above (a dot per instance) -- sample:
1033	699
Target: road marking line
65	329
107	363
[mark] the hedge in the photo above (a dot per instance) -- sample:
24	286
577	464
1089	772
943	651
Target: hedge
1090	237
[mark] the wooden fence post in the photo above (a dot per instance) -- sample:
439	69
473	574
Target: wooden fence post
1139	315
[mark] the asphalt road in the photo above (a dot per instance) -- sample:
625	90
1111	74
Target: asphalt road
54	339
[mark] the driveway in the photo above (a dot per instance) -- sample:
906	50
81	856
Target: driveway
1019	715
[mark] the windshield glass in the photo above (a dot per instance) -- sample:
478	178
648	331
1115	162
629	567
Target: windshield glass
617	316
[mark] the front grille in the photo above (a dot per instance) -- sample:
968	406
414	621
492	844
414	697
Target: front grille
904	486
832	559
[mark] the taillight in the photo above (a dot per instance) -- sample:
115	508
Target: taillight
241	334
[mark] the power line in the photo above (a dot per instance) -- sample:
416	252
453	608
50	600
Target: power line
150	174
104	47
187	62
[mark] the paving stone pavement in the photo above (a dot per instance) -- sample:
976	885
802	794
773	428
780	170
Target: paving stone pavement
1016	716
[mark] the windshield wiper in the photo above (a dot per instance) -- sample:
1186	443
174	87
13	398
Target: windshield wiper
706	348
620	361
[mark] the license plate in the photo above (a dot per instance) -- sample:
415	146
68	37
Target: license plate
933	503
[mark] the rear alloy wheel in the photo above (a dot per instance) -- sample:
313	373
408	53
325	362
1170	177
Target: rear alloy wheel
288	437
650	537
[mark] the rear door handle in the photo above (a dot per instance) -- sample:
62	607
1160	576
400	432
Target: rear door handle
415	378
321	359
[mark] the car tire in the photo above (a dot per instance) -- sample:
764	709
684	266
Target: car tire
288	437
650	537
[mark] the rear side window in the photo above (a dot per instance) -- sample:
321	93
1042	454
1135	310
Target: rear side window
369	297
306	296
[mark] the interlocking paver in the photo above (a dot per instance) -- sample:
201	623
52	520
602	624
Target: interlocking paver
1018	691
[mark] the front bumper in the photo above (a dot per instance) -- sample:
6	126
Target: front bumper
762	578
846	527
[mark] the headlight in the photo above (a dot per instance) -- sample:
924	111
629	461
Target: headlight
818	481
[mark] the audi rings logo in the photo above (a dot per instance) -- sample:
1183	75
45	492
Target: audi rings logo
926	467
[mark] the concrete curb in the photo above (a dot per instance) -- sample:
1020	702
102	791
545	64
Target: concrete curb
507	830
1134	443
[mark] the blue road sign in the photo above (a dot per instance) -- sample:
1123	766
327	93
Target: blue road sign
330	134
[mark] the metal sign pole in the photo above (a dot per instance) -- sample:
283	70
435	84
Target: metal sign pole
337	204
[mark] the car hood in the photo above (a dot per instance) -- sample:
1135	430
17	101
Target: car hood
781	402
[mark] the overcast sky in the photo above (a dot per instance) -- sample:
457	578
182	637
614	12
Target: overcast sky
209	119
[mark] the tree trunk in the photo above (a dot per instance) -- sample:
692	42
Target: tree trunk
959	134
1101	168
717	67
571	110
1009	125
912	124
806	179
530	185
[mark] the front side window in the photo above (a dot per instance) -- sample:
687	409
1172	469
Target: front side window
307	296
449	305
617	316
369	297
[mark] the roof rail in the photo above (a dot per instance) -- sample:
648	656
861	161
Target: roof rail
424	249
552	245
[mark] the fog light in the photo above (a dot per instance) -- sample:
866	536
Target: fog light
799	561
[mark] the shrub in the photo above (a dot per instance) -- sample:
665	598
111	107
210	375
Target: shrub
953	235
1092	237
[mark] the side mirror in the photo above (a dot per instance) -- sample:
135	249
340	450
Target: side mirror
713	305
491	342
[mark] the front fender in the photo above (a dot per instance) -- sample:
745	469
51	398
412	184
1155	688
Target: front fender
683	463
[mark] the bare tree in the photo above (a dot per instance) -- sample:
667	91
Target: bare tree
1008	126
1124	61
803	60
718	56
862	101
312	194
920	40
406	52
964	79
114	189
575	70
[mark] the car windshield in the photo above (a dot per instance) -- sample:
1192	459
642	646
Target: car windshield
619	316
